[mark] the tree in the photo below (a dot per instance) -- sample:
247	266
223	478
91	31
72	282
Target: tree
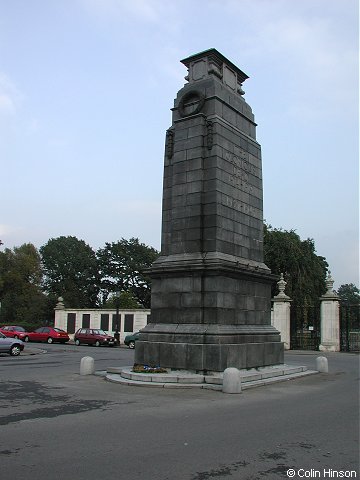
349	294
123	267
304	271
71	271
126	300
22	299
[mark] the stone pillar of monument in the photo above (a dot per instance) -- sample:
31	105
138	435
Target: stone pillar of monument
211	291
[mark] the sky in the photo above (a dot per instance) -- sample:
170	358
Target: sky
86	88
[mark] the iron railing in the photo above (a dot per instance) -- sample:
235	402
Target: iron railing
305	327
349	328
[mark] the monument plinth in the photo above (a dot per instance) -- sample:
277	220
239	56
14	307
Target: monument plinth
211	291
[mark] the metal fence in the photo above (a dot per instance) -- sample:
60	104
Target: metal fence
349	328
305	327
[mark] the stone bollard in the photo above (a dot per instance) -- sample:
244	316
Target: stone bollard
231	381
87	366
322	365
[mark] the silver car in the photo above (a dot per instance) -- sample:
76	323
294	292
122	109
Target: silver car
13	346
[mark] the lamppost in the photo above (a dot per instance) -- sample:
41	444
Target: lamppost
117	305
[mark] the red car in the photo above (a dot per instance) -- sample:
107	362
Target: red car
14	331
47	334
93	336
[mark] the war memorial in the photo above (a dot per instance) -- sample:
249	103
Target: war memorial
211	291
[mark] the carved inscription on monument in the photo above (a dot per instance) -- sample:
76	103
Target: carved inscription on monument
241	168
242	207
242	175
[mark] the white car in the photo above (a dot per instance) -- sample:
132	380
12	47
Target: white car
12	346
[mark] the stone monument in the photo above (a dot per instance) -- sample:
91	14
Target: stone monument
211	291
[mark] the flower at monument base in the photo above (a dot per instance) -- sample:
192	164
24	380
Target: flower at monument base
148	369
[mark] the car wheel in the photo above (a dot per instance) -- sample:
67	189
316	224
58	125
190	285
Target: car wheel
132	344
16	337
97	343
15	350
50	340
77	342
26	339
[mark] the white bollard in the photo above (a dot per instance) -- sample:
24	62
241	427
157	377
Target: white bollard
322	365
231	381
87	366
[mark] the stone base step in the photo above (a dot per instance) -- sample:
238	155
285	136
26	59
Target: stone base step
184	379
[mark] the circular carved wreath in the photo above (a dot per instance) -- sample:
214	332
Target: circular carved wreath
191	103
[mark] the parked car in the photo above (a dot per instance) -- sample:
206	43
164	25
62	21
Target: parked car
93	336
13	346
14	331
131	339
47	334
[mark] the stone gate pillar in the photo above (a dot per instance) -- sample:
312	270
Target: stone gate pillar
60	316
211	291
281	313
330	319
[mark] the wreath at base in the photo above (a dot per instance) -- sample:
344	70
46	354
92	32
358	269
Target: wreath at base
147	369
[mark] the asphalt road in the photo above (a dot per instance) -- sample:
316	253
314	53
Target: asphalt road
57	424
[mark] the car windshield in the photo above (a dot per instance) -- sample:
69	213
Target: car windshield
20	329
59	330
99	332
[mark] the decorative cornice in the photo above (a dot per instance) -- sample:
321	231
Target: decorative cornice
211	62
216	60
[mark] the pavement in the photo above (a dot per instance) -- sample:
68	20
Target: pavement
56	423
32	351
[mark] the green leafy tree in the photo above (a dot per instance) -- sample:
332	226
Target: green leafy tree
349	294
123	267
21	296
304	270
71	271
125	300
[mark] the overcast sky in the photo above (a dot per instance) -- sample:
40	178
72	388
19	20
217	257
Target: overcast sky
86	88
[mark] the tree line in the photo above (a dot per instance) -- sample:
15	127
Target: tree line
31	279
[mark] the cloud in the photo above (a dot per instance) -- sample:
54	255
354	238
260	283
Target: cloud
343	261
143	10
10	96
299	33
33	126
308	49
8	233
5	229
58	142
6	104
139	207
